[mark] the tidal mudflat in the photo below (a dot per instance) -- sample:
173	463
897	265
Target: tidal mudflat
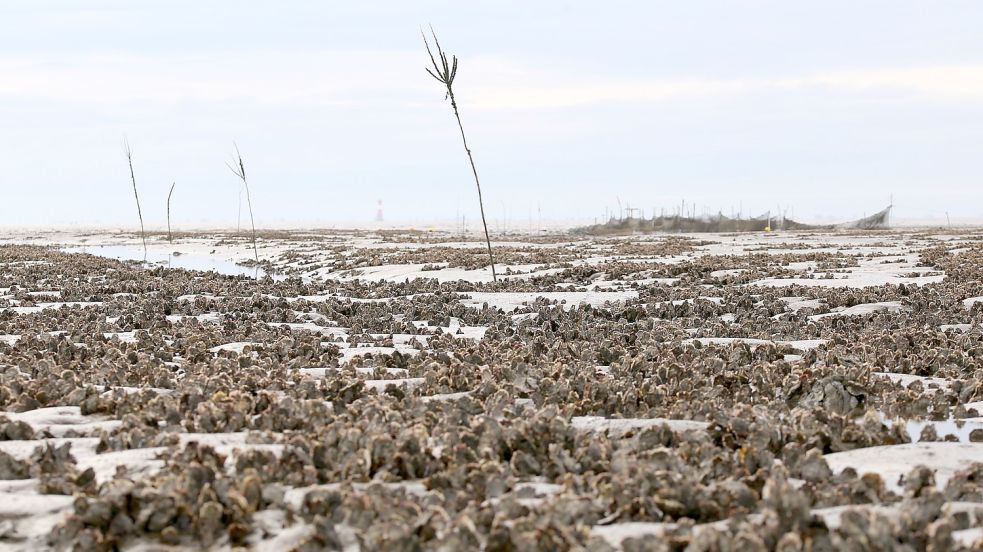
375	390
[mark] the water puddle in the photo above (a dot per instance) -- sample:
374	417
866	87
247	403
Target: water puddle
206	263
959	428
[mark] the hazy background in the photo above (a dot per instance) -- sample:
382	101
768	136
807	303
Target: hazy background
827	107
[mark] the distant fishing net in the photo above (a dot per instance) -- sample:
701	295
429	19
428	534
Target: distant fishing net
720	223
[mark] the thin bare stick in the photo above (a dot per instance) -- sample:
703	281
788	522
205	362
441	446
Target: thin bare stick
129	159
239	169
445	72
169	239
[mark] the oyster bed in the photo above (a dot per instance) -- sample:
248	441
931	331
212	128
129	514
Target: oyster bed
788	391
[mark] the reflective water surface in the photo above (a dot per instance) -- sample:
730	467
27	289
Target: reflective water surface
186	261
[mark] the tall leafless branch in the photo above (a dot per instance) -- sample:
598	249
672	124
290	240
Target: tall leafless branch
169	239
445	72
239	169
133	179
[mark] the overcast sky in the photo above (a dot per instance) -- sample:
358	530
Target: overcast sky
827	108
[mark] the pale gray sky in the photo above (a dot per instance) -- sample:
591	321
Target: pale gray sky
828	107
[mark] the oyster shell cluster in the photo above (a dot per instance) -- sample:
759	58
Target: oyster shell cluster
664	393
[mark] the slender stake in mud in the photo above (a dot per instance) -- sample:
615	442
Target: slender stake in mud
169	240
240	170
445	73
129	159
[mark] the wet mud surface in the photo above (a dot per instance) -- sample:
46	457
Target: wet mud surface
795	391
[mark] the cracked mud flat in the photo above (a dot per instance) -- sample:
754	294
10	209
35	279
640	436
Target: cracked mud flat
714	392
